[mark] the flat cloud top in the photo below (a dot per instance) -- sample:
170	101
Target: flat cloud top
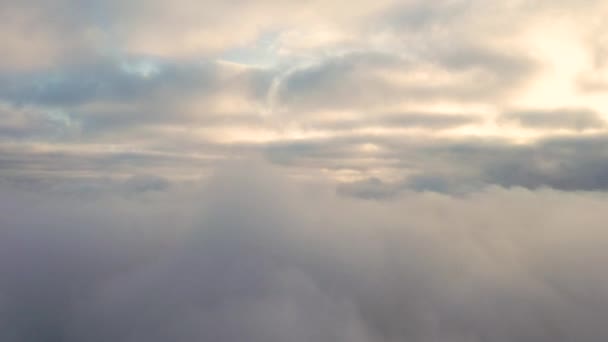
250	255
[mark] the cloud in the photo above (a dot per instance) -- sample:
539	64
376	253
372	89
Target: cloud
390	121
144	183
371	188
42	35
571	119
455	166
128	98
367	80
31	123
127	79
432	166
185	77
68	30
218	263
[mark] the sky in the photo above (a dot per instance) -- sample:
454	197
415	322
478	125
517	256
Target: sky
290	171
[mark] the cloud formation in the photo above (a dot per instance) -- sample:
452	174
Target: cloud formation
205	80
219	263
374	171
570	119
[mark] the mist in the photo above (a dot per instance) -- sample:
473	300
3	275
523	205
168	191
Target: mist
253	255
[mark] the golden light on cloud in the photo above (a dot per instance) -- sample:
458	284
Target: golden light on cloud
289	81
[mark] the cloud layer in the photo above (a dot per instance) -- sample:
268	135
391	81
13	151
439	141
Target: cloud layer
182	83
264	259
377	171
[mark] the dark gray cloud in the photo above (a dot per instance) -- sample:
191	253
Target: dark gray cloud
31	164
566	163
145	183
102	79
122	97
371	188
78	84
561	163
566	118
455	165
218	263
357	80
424	120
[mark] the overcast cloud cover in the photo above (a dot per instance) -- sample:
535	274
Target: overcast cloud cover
374	171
